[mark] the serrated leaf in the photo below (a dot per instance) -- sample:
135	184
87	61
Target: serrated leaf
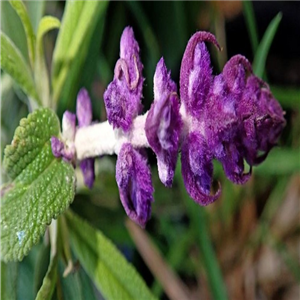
41	77
21	10
42	187
14	64
109	270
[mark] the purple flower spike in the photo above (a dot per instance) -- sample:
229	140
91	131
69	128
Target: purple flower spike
163	123
197	169
122	97
196	73
262	120
88	171
84	108
134	181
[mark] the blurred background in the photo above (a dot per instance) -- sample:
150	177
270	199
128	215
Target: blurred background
250	238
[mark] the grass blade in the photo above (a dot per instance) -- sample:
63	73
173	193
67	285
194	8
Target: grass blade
264	46
210	261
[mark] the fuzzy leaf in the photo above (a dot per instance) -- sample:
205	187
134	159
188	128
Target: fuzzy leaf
109	270
15	65
42	187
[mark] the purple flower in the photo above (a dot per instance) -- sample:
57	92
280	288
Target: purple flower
84	116
134	181
163	124
122	96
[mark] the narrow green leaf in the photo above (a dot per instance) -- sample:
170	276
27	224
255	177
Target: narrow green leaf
68	27
78	24
12	26
111	273
35	11
42	186
210	261
47	23
21	10
14	64
264	46
251	24
47	288
9	273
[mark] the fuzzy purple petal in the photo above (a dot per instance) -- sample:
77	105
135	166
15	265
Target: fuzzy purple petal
233	163
87	167
163	124
197	169
222	129
196	72
262	120
123	95
235	74
135	186
84	108
221	120
57	146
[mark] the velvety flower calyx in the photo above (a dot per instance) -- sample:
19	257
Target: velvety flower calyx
163	124
123	94
262	120
133	177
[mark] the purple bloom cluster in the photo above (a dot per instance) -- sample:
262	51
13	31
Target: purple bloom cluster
231	117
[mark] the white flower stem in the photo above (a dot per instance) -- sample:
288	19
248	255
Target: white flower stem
100	139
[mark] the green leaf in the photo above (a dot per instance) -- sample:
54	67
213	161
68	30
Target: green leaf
12	26
264	46
42	187
78	24
35	11
9	273
111	273
14	64
47	288
21	10
47	23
